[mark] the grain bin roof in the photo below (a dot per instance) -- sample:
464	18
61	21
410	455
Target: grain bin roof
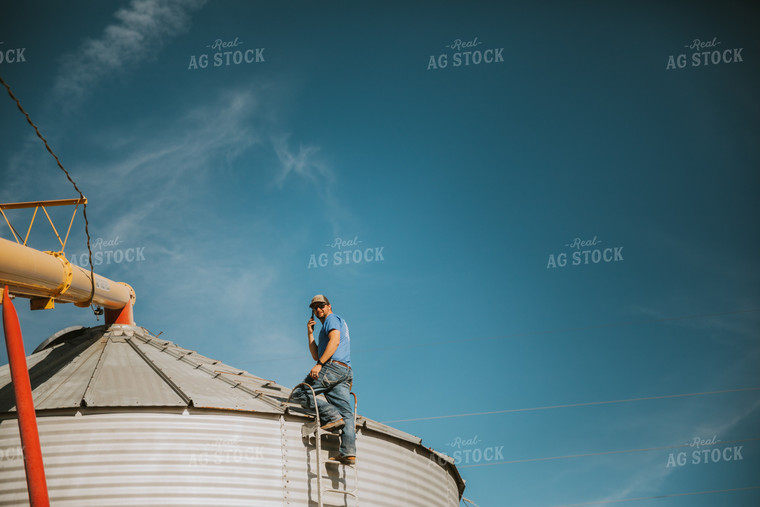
119	367
125	366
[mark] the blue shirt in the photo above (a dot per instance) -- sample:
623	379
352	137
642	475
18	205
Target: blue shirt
343	353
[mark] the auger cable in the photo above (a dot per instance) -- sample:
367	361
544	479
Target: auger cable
68	176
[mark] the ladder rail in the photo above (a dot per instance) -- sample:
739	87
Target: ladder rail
318	439
355	492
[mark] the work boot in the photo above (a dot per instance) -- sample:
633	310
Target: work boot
346	460
334	426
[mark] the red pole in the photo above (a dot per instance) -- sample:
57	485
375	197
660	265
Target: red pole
27	419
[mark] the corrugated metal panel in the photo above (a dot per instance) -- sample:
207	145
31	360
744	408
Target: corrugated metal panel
403	474
390	473
140	457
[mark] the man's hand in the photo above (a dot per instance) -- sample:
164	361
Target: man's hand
314	373
310	335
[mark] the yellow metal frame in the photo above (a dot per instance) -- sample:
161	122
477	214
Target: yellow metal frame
37	205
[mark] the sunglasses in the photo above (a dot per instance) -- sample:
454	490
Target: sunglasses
317	306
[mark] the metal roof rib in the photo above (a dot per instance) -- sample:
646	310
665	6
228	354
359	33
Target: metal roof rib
124	379
78	374
197	381
83	400
200	363
161	374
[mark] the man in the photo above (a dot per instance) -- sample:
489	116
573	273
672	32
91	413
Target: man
331	376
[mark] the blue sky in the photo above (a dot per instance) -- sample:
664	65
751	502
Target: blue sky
460	187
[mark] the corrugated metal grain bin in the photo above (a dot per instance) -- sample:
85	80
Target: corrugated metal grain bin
128	419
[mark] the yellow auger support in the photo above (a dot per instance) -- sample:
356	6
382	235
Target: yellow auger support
43	275
37	205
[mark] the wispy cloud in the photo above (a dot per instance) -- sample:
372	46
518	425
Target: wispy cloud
139	31
302	162
147	171
158	167
305	163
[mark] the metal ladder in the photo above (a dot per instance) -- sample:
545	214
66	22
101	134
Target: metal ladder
315	429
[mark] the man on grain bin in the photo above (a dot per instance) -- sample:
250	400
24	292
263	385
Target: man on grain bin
331	376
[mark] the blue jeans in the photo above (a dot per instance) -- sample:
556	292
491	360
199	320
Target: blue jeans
334	381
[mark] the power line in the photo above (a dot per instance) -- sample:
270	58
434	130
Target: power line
571	405
658	497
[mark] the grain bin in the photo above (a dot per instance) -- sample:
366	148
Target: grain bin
126	418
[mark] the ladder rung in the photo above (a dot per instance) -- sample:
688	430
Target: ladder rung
351	493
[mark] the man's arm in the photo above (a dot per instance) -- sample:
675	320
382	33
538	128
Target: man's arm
310	333
332	345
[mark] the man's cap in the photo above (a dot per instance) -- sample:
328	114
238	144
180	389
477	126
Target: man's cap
319	298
